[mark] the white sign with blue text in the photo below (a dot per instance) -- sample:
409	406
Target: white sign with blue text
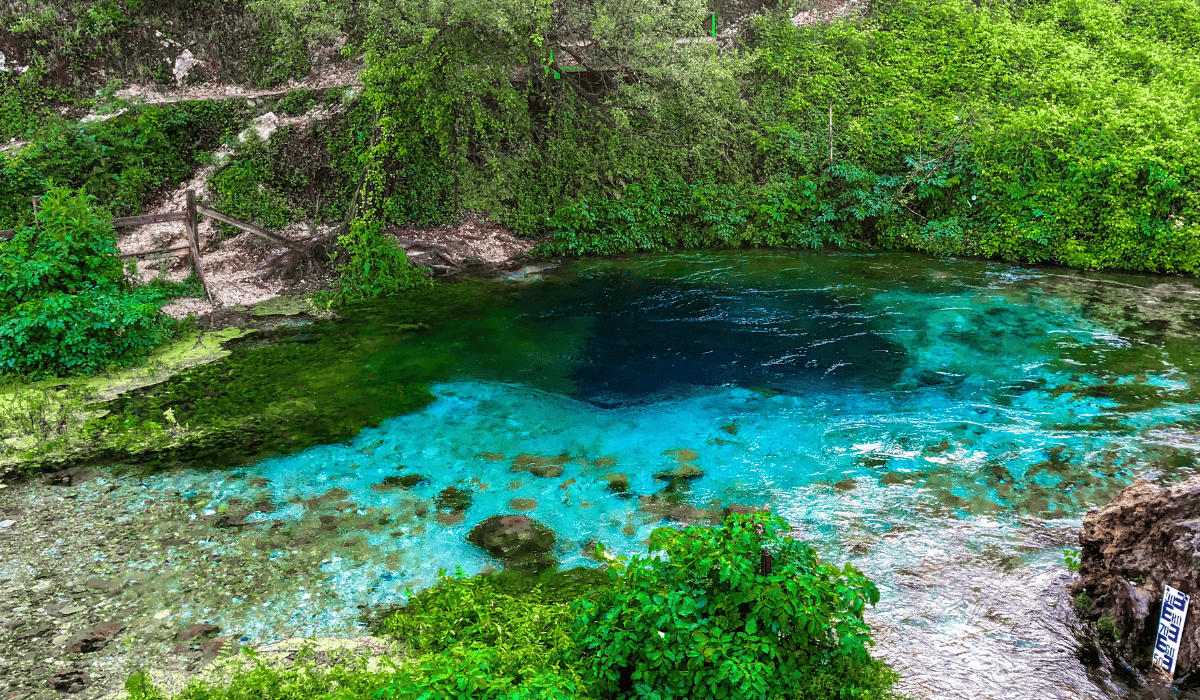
1170	629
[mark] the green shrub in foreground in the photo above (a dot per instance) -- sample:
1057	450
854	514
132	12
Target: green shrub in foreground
701	621
65	307
737	611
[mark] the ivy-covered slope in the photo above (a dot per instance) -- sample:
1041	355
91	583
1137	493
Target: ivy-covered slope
59	53
1060	131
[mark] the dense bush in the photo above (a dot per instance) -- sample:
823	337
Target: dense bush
65	307
308	173
737	612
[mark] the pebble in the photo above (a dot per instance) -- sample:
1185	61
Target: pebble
7	523
71	610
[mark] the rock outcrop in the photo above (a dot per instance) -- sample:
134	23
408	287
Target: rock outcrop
520	542
1146	537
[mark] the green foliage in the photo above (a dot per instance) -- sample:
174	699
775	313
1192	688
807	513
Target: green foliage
348	679
985	131
498	636
933	125
1071	556
122	162
65	307
1108	626
306	174
72	47
241	188
296	102
1083	603
377	266
738	611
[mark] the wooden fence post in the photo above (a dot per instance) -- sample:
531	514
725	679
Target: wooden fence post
194	240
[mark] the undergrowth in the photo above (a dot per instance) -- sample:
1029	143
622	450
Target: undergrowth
122	162
62	53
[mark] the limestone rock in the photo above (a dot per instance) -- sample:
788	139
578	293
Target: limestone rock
1146	537
520	542
183	65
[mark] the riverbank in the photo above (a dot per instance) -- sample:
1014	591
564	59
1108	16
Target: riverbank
165	583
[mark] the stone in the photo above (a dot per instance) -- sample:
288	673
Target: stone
617	483
197	631
522	504
546	467
69	681
35	631
518	541
72	477
687	470
262	126
454	499
184	63
93	639
71	610
104	585
1146	537
406	482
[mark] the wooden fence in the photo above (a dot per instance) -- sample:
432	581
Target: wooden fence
190	216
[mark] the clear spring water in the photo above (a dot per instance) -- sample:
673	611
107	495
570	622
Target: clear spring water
941	424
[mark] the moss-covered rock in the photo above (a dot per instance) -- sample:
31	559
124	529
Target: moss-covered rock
518	541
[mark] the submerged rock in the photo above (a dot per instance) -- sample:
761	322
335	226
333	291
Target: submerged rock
547	467
520	542
406	482
454	499
1146	537
683	471
93	639
69	681
617	483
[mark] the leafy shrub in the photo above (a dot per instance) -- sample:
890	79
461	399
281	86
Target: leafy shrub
65	307
376	267
737	611
296	102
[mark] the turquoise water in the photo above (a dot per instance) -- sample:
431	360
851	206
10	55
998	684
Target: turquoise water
942	424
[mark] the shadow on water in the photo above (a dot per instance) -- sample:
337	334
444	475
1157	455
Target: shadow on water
651	337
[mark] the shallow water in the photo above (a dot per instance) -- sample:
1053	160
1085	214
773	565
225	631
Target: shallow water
941	424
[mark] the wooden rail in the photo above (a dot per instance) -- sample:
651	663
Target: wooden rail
191	217
248	228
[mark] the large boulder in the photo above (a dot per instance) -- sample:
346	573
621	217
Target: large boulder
520	542
1146	537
